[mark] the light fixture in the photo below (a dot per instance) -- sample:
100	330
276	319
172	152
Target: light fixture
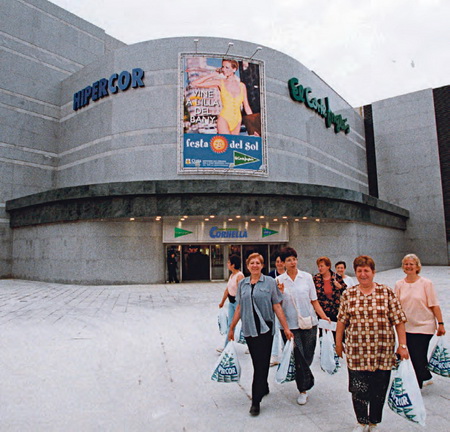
230	219
212	216
253	219
230	44
206	219
285	217
296	220
317	220
257	49
182	219
237	217
275	220
304	218
131	219
261	217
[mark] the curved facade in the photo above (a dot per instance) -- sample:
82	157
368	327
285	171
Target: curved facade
130	165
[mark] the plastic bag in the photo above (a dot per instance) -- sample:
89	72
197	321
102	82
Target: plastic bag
405	398
440	358
286	368
227	368
238	335
222	320
329	361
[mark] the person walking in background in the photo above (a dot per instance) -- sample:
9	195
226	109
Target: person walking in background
300	299
277	271
329	287
234	265
367	314
418	299
172	266
258	301
340	267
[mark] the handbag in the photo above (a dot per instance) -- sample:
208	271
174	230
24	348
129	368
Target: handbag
286	368
304	323
227	368
405	398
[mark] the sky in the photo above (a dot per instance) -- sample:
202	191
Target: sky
366	50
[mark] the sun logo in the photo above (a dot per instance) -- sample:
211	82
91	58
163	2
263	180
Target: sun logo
219	144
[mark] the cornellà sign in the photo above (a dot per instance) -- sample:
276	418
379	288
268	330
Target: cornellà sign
301	94
103	87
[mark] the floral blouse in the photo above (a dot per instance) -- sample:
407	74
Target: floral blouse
329	305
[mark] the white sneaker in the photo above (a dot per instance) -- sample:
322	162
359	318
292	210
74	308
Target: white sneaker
373	428
360	428
274	361
302	399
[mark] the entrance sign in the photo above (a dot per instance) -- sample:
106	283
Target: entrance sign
322	107
226	232
222	116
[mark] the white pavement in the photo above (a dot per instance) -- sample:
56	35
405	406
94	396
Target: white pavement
140	357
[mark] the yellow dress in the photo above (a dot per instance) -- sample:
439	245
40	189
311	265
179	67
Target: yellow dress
231	105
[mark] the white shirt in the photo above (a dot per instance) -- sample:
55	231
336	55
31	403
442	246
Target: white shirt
302	291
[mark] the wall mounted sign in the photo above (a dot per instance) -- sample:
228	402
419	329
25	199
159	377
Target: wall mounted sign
321	106
104	87
226	232
221	115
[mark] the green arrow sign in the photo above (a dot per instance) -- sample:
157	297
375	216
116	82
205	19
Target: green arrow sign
266	232
241	158
179	232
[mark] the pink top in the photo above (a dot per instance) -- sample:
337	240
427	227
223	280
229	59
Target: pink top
417	299
232	284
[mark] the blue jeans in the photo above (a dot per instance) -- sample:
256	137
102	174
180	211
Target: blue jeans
231	309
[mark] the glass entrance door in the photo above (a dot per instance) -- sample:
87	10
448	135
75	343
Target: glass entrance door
217	262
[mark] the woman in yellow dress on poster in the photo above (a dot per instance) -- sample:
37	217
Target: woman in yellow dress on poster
233	95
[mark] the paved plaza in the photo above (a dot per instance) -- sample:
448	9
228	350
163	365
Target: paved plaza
140	358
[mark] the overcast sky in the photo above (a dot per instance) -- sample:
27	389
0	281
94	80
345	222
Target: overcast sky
366	50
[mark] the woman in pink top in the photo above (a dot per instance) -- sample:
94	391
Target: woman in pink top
234	265
418	299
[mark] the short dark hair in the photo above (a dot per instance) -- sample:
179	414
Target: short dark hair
341	262
276	254
364	261
235	260
287	252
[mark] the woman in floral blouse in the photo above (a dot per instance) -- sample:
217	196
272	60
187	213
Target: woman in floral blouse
368	313
329	287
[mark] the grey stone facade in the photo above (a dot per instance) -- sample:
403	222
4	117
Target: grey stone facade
67	177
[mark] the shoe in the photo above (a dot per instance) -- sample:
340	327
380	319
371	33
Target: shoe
427	382
219	350
302	399
274	361
254	410
361	428
373	427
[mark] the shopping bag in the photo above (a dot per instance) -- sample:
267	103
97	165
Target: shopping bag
227	368
286	368
329	361
440	358
238	335
405	398
222	320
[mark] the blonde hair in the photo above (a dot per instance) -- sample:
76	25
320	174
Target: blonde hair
416	259
255	255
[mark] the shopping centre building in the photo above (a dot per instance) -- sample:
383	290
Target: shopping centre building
115	156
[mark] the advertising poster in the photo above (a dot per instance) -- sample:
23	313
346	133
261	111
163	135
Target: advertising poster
222	120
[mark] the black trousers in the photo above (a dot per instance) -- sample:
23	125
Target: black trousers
418	350
368	391
260	348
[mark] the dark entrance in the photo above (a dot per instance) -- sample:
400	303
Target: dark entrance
196	262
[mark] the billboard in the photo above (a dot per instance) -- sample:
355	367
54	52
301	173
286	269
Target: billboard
222	121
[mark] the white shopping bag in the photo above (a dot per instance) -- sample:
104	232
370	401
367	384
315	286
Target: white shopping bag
222	320
329	362
440	358
286	368
405	398
238	335
227	368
